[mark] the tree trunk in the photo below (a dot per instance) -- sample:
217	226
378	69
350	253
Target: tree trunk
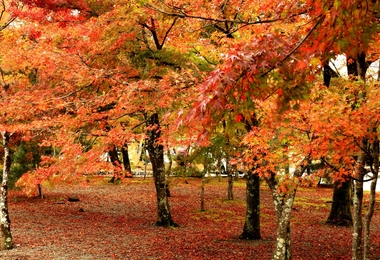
219	169
230	195
357	233
283	250
40	193
358	68
126	161
156	154
340	213
168	172
116	164
283	203
236	173
251	228
5	223
283	208
203	193
372	199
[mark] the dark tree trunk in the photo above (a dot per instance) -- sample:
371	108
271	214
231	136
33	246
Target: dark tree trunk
358	66
116	164
5	223
40	193
156	154
340	213
251	228
230	194
203	193
126	161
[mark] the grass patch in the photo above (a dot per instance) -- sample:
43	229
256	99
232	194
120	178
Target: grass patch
307	205
231	202
217	215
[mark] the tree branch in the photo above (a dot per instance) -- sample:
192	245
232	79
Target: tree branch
321	18
182	14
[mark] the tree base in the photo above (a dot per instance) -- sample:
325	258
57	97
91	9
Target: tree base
249	236
170	223
339	222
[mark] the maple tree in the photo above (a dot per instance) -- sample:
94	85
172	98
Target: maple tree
27	106
273	66
111	72
109	98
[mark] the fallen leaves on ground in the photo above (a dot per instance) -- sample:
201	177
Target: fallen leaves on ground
117	222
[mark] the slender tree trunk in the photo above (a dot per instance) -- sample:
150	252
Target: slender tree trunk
5	223
251	228
236	175
168	171
126	161
357	233
230	195
283	208
156	154
359	68
219	171
372	199
203	193
283	203
145	164
116	164
40	193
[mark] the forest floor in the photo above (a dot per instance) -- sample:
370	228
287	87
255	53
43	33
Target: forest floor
117	222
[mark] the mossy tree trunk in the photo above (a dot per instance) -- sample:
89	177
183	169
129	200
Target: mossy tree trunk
156	154
251	228
283	203
283	207
5	223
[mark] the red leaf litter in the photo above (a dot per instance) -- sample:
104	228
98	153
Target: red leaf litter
117	222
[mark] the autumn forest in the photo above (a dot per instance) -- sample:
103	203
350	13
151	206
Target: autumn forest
176	129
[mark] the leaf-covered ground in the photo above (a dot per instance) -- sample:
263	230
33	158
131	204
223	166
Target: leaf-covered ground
117	222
